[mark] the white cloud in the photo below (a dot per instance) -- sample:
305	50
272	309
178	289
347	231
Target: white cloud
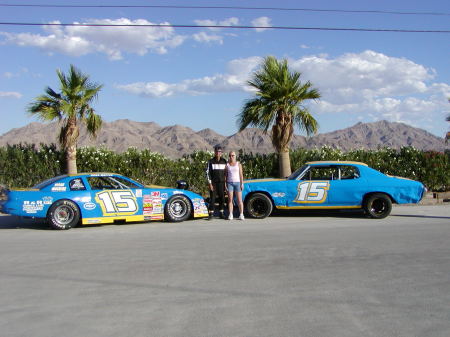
368	86
208	38
112	41
376	86
356	77
213	38
10	94
262	21
233	21
238	72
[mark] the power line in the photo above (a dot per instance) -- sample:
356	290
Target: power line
231	8
225	27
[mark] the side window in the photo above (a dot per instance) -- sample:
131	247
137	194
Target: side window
322	173
100	183
77	185
349	172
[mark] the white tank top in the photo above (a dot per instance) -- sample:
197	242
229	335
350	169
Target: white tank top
233	173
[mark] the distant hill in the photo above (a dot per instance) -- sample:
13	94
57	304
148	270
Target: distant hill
174	141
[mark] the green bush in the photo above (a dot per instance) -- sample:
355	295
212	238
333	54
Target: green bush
26	165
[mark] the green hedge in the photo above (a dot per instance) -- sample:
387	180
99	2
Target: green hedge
26	165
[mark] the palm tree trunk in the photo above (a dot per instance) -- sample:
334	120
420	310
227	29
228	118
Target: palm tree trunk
284	164
71	137
71	159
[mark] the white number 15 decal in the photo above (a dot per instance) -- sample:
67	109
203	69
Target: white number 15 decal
312	192
112	202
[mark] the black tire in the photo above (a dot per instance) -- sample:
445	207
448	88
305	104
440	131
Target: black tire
177	209
378	205
63	214
258	206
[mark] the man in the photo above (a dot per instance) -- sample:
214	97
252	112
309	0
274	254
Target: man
215	175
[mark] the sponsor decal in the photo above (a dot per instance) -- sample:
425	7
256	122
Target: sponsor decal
200	208
59	187
89	206
138	193
164	196
178	192
47	200
76	185
278	195
152	206
32	207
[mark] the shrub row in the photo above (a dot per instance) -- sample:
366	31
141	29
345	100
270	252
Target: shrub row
26	165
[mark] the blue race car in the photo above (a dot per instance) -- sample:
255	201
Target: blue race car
331	185
96	198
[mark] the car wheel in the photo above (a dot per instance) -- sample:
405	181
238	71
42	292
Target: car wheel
63	214
258	206
178	209
378	206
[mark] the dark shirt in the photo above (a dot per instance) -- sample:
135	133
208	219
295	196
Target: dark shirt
215	170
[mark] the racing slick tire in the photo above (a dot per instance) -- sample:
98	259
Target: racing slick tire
63	214
377	205
258	206
177	209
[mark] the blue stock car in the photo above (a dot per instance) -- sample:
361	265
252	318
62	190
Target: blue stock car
96	198
331	185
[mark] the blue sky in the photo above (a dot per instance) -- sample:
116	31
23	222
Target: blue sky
196	77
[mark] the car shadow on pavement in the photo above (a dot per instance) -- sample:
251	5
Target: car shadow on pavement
319	213
15	222
421	216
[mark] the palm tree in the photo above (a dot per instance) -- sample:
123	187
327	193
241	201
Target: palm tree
72	107
447	136
279	103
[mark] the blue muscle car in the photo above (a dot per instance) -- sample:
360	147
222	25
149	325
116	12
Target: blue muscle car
331	185
96	198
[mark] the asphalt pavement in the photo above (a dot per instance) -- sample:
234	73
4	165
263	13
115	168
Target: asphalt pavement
301	274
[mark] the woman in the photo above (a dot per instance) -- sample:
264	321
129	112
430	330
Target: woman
235	184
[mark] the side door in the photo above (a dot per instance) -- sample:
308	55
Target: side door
348	187
311	190
113	198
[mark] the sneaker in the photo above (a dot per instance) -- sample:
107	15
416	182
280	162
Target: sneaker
222	216
230	217
241	217
210	216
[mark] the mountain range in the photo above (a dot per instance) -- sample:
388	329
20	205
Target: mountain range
176	140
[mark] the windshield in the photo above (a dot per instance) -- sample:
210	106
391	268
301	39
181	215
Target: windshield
297	173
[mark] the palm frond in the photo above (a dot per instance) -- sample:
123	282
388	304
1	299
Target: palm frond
278	91
93	123
71	105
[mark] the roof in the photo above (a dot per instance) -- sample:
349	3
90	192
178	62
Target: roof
335	162
94	174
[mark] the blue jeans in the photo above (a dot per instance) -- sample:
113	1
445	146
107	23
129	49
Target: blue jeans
234	187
